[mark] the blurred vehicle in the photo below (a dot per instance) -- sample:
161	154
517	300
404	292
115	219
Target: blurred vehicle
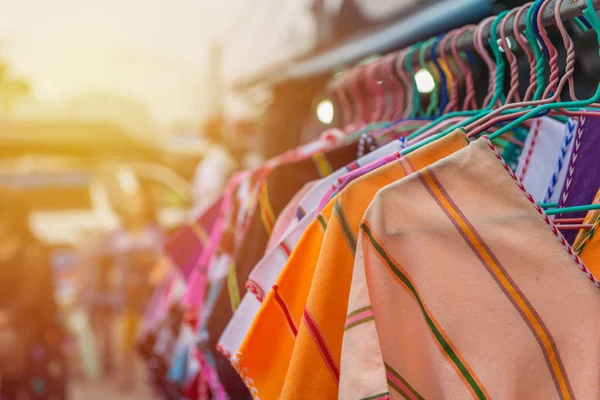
70	175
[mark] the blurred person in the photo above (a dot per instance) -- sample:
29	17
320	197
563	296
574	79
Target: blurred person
136	247
32	362
215	168
101	301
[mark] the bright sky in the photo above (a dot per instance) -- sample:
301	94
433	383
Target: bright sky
151	50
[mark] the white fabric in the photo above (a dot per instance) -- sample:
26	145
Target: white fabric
265	273
540	155
557	181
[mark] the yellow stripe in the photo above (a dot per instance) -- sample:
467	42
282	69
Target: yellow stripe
266	211
514	294
446	68
200	233
232	286
322	164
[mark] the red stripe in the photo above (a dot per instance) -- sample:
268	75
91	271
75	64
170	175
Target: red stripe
285	310
410	164
285	248
531	148
313	329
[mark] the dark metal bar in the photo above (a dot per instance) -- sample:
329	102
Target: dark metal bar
569	9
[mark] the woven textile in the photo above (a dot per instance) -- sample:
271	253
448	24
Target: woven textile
264	356
540	155
314	366
459	306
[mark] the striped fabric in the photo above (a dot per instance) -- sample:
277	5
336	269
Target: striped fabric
312	199
344	180
314	367
557	181
587	243
461	308
197	281
264	275
264	355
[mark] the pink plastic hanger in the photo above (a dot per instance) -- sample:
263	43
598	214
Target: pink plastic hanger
340	92
397	89
494	117
480	47
528	52
470	97
469	102
358	100
513	92
374	83
407	83
453	100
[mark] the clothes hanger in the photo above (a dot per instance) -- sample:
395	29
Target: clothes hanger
469	101
550	94
358	98
453	76
438	121
496	79
513	92
592	17
397	96
434	95
498	67
553	88
527	50
447	74
392	87
340	91
374	84
416	98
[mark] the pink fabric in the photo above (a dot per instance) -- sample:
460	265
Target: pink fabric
344	180
196	287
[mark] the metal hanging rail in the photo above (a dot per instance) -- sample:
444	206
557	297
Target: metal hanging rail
569	9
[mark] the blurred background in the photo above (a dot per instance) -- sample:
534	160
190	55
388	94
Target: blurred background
125	118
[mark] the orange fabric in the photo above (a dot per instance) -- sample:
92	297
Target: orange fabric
314	367
587	243
263	358
265	355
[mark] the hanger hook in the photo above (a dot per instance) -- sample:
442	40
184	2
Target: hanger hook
512	60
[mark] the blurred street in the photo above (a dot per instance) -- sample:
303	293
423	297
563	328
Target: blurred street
102	391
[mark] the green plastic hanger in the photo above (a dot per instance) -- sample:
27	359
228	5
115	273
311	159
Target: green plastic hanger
434	96
539	56
416	98
568	210
571	105
474	114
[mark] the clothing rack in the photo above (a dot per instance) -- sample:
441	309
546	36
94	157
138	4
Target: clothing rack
569	9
